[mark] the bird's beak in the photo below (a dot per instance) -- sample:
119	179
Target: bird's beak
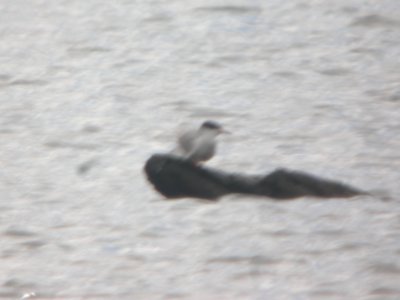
224	131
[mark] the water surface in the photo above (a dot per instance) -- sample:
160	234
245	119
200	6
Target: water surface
90	89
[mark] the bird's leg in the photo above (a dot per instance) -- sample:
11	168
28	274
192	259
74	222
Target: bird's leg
195	163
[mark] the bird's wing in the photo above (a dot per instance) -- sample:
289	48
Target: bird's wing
202	149
187	141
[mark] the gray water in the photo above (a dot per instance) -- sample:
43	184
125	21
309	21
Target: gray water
90	89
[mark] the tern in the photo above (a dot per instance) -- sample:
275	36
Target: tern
200	145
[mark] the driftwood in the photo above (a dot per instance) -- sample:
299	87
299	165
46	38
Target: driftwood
174	177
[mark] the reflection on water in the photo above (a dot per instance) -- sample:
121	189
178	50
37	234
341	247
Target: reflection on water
90	89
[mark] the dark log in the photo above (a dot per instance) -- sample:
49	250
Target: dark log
174	177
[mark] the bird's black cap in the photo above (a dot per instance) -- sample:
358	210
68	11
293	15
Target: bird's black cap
211	125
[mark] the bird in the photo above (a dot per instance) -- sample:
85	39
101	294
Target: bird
199	145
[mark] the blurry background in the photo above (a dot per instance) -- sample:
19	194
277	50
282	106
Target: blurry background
90	89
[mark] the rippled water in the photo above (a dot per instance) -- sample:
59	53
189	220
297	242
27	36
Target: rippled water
90	89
